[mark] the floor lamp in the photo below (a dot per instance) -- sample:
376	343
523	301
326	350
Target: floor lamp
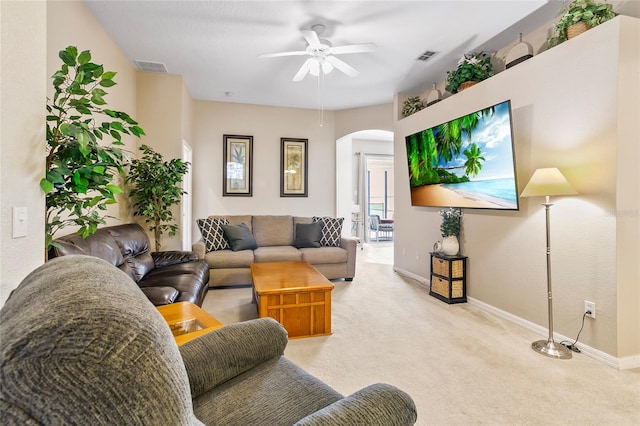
547	182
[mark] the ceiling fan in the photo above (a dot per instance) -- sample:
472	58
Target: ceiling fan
323	59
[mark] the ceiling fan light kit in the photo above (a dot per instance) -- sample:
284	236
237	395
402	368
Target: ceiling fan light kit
323	59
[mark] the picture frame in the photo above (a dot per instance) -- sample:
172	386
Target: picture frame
294	163
237	166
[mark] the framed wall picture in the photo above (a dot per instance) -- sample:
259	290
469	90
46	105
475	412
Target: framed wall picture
293	167
237	165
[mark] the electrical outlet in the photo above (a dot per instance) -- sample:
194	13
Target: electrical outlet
590	307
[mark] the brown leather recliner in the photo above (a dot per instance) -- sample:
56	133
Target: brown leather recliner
164	277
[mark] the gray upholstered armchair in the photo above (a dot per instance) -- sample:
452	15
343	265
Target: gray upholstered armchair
81	344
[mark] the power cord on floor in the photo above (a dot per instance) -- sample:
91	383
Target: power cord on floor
572	346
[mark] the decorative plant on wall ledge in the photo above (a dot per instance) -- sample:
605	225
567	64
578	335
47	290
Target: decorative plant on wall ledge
412	105
81	172
156	189
577	17
472	67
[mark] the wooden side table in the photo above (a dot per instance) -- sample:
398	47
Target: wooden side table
448	278
187	321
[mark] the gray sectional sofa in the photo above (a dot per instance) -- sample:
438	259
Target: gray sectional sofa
275	236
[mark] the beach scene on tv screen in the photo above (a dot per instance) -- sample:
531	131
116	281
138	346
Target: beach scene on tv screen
465	162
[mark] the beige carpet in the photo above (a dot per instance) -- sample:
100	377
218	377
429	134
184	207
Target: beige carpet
460	364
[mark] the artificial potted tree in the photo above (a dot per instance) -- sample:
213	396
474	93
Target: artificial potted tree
450	230
577	17
155	190
472	68
84	160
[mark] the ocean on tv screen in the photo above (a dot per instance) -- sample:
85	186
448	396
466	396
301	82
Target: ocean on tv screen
465	162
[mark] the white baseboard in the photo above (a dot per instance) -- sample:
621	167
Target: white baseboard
624	363
421	280
618	363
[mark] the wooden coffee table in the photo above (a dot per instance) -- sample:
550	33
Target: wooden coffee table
187	321
295	294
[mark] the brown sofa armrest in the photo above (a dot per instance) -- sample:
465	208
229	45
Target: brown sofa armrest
166	258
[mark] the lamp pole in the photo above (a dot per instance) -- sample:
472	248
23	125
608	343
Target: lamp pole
549	347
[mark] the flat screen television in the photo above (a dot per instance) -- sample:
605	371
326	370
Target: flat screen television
467	162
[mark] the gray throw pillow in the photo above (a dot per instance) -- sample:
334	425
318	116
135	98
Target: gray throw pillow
239	237
308	235
212	233
331	230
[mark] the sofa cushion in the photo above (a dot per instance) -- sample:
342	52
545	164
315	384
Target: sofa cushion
212	234
331	230
235	219
239	237
308	234
324	255
273	230
277	254
222	259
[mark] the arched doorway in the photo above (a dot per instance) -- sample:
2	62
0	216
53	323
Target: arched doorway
355	155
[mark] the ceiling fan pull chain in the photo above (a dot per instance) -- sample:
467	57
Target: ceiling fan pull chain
320	100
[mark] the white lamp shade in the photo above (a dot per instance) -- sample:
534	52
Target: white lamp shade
547	182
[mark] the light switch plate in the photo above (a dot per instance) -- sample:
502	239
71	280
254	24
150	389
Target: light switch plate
19	222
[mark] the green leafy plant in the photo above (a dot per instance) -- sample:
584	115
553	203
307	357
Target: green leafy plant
471	67
588	11
451	222
83	161
412	105
156	189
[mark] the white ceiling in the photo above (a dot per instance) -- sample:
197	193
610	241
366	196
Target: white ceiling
215	45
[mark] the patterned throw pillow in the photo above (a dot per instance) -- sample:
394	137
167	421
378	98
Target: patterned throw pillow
331	230
212	234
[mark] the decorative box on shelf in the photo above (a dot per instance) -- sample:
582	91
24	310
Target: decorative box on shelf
448	278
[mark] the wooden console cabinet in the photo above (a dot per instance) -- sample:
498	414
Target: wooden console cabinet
448	278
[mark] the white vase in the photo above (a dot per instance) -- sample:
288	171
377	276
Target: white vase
450	245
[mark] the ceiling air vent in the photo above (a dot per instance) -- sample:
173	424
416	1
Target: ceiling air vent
426	55
151	66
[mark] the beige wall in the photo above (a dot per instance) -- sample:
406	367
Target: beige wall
165	107
628	190
32	35
23	32
377	117
267	125
566	113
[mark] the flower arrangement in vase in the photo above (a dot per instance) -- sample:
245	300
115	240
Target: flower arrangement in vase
472	67
450	229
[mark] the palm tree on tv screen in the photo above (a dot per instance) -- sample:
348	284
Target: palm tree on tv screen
430	151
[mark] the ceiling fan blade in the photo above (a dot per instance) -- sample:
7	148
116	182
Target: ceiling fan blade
353	48
311	37
303	71
342	66
275	55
